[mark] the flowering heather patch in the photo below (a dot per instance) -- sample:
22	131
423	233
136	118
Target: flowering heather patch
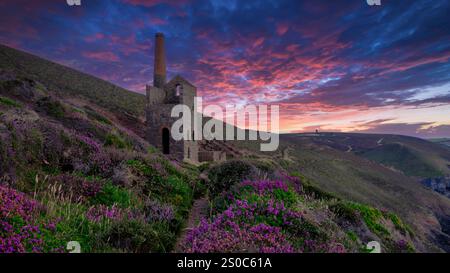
99	213
223	235
157	211
98	160
93	144
403	246
266	185
262	216
294	181
78	187
269	211
20	231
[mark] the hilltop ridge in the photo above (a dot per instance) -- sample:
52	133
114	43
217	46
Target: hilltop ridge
67	81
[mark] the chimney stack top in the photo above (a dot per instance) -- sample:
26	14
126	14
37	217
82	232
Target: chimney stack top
159	73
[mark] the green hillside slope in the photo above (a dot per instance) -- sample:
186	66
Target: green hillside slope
412	156
333	163
69	82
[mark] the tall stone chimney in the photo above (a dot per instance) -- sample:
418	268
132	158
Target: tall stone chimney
159	72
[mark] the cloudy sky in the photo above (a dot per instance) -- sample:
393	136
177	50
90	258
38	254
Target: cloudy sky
330	65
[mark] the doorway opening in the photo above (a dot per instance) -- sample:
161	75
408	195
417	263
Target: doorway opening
166	141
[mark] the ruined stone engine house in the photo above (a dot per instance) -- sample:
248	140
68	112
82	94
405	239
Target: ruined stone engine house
161	98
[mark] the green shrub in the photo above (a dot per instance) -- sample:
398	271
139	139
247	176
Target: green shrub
304	231
96	116
203	167
115	140
141	168
152	150
111	194
179	194
343	210
352	236
371	217
138	236
398	224
179	186
264	167
288	197
223	176
9	102
51	107
200	188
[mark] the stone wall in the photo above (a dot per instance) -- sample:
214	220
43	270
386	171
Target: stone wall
155	95
191	150
211	156
158	117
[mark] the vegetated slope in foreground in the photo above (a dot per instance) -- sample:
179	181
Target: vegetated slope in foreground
283	215
69	171
68	82
353	177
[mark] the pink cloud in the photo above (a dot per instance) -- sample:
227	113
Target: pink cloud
104	56
258	42
95	37
282	28
158	21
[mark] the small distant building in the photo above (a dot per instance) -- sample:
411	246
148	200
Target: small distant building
161	98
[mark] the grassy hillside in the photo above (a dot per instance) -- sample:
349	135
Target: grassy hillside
71	83
442	141
401	158
412	156
70	170
327	162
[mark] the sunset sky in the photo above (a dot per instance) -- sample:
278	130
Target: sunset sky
330	65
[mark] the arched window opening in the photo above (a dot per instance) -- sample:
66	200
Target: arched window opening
178	90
